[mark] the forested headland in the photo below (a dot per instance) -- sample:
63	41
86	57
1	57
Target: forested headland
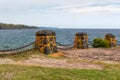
16	26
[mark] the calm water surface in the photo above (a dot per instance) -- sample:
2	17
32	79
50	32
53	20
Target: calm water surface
16	38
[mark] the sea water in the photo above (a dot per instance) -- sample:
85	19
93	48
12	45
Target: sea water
17	38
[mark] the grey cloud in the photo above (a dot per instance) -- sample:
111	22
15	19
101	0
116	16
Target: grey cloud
52	6
16	4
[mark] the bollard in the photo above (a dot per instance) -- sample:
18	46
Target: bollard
46	41
111	38
81	40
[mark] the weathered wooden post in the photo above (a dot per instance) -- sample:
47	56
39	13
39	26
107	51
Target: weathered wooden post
81	40
111	38
46	41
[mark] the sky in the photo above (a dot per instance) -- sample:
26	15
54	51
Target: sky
62	13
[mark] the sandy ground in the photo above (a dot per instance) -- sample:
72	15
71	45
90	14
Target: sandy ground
108	55
51	62
72	59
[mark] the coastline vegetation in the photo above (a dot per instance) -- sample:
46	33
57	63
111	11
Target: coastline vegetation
16	26
100	43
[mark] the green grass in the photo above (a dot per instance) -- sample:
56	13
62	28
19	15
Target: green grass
17	72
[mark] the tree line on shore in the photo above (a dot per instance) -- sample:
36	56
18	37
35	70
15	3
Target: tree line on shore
15	26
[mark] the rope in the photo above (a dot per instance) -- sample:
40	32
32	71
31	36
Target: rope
63	44
64	48
16	52
90	43
18	48
25	50
118	42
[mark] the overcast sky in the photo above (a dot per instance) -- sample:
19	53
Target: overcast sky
62	13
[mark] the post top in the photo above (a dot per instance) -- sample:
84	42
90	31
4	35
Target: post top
110	35
45	33
81	34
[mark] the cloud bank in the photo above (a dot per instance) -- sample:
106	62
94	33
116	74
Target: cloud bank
61	12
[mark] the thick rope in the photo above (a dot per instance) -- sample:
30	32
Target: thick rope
118	43
90	43
16	52
18	48
64	44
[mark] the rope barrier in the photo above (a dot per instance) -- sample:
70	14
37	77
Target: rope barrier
118	43
18	48
25	50
26	47
16	52
90	42
63	44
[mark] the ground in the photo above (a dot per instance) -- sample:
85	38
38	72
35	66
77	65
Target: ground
82	64
80	59
95	54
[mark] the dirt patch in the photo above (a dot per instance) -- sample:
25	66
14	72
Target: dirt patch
94	54
55	55
8	76
6	61
60	63
52	62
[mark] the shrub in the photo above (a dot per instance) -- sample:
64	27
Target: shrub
102	43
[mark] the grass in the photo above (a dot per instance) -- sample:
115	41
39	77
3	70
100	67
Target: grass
17	72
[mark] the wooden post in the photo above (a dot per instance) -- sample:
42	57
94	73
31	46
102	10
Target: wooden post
46	41
81	40
111	38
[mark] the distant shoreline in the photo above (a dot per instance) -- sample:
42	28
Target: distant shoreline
5	26
20	29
